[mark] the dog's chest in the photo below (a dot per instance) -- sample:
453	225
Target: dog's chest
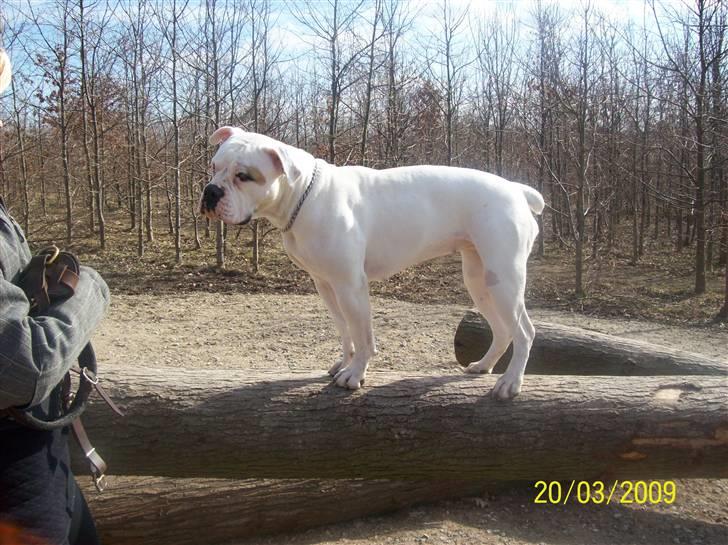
301	256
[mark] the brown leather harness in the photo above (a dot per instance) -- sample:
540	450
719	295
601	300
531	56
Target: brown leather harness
52	275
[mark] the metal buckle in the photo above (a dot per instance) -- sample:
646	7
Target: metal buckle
93	379
100	481
53	251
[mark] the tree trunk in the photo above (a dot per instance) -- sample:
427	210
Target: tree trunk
722	315
23	161
700	167
160	511
368	89
131	154
63	123
175	127
246	424
255	228
3	179
41	167
85	100
565	350
98	180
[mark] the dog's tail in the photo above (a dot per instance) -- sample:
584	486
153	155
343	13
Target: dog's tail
534	199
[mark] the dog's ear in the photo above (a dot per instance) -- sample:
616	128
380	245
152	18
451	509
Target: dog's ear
283	162
221	134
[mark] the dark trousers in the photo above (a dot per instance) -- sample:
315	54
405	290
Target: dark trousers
38	494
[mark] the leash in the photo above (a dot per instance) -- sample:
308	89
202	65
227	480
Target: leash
53	275
302	199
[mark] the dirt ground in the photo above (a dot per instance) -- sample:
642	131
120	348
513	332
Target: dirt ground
248	331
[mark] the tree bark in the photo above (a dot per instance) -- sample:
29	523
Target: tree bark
85	100
245	424
566	350
20	130
160	511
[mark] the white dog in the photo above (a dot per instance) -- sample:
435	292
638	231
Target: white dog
349	225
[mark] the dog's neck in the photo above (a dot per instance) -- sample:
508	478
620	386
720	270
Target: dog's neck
287	193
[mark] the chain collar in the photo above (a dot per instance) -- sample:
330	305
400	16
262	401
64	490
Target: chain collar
302	199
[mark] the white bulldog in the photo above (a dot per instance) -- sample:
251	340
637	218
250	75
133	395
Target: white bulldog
349	225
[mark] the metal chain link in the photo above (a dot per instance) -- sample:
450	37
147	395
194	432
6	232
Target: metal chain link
302	199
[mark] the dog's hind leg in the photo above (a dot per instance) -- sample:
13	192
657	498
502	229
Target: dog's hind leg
509	384
347	347
474	277
504	253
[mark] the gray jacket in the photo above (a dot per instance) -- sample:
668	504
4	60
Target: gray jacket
35	353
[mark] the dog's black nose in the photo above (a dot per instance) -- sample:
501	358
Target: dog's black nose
210	196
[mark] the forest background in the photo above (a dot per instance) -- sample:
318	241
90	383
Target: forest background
615	111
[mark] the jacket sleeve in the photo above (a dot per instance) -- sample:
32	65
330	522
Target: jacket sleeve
36	352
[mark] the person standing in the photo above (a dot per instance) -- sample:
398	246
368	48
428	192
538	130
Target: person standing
40	501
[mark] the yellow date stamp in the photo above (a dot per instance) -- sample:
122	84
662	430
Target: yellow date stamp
602	493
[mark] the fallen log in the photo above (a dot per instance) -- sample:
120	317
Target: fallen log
565	350
161	511
244	424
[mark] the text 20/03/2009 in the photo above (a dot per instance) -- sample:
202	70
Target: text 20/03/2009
599	492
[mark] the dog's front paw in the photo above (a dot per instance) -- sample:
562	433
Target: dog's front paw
350	377
507	386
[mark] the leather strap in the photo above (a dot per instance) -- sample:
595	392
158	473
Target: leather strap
96	463
66	277
90	377
34	284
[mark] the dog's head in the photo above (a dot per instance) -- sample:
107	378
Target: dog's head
247	172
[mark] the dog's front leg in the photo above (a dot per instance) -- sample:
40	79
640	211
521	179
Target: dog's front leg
347	347
352	296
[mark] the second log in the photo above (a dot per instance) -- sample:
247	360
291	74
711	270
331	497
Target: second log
565	350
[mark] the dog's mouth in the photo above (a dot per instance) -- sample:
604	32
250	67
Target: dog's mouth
207	213
246	221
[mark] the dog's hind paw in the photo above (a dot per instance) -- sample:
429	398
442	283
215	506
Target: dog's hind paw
477	368
507	387
334	369
349	378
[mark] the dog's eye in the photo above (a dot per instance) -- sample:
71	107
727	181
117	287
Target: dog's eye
243	177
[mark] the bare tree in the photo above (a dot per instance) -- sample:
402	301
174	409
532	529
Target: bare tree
575	96
56	69
496	54
20	131
694	73
170	32
90	89
372	64
334	26
398	20
446	66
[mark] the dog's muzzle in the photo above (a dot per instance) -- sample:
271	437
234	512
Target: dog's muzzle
211	195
